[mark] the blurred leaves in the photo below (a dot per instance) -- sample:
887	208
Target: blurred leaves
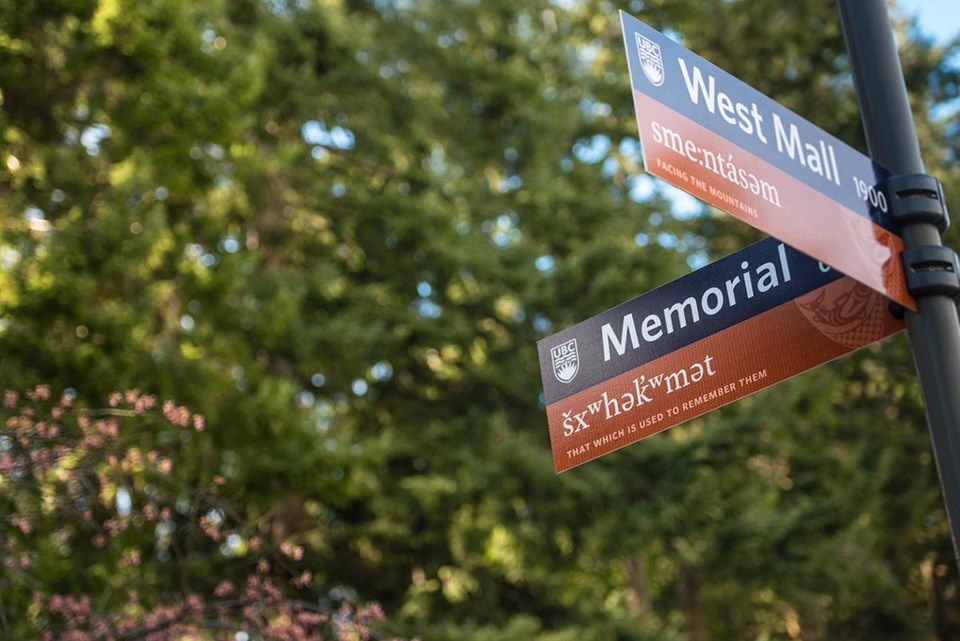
338	228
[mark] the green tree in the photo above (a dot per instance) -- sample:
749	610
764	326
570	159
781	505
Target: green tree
337	228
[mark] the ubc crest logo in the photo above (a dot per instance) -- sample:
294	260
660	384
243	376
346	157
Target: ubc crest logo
566	361
650	60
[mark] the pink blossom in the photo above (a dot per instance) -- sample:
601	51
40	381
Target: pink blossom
108	427
253	586
223	588
145	403
312	618
304	580
271	591
292	551
370	611
66	400
193	603
175	415
22	523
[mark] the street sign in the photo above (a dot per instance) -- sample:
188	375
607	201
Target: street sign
736	326
722	141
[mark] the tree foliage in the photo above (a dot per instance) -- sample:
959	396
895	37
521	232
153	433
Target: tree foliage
336	228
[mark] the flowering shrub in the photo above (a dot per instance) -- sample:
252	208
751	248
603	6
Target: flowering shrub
103	537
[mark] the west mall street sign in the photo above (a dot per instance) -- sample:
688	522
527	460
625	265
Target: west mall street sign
724	142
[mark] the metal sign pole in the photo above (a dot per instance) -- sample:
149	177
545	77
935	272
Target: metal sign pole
917	205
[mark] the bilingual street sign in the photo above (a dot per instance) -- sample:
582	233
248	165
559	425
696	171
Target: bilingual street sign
736	326
712	135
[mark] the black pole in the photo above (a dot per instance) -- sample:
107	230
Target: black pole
892	140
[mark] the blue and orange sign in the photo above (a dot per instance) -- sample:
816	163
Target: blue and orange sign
724	142
754	318
734	327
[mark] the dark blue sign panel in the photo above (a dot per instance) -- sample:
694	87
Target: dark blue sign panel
720	295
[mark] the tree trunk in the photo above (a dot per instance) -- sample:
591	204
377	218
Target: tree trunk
639	594
688	586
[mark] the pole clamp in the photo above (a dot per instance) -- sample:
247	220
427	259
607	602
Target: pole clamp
916	198
932	271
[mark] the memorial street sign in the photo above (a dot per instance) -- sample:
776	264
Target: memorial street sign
724	142
736	326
